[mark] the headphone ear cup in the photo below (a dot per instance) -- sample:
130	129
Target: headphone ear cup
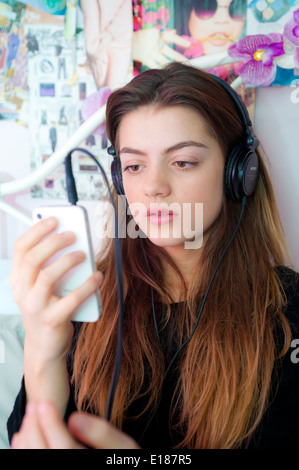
230	174
250	172
241	172
117	176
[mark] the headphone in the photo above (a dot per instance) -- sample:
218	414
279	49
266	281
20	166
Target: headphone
242	165
116	172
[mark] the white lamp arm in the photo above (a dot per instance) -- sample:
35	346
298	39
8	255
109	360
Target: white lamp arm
212	60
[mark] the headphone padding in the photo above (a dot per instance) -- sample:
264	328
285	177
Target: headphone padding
241	172
231	167
116	176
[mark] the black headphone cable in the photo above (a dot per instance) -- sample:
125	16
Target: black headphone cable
73	198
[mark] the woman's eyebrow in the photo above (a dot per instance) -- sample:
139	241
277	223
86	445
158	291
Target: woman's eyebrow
178	146
187	143
132	151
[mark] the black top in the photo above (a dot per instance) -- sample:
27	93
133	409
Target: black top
279	426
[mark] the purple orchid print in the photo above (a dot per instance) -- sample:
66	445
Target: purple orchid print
258	53
291	33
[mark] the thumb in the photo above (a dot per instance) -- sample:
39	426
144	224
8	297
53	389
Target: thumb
98	433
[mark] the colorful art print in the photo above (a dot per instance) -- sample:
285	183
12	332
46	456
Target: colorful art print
269	18
209	26
15	48
270	11
54	7
167	30
152	14
13	61
11	12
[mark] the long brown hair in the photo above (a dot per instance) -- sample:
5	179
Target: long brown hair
225	370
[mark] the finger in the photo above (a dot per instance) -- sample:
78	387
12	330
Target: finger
64	308
159	57
40	254
151	62
98	433
30	435
170	36
172	54
48	276
57	435
27	241
15	441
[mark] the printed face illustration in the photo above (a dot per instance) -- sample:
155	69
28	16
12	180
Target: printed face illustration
217	23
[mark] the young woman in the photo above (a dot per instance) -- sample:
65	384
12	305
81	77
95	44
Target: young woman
225	379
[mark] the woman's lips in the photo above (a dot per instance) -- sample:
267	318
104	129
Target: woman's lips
160	216
219	39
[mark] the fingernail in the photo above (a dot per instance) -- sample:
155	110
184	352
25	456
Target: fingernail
50	220
79	255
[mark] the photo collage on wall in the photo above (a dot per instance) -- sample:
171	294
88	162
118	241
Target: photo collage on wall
193	29
59	82
52	81
58	87
13	62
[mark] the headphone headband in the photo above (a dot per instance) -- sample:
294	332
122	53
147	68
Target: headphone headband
237	100
242	164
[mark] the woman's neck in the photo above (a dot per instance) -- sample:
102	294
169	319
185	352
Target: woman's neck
187	262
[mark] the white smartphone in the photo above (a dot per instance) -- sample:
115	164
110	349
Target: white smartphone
74	218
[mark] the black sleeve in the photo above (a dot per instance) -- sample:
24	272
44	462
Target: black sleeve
16	417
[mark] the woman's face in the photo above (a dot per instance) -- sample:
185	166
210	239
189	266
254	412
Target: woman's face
217	27
172	172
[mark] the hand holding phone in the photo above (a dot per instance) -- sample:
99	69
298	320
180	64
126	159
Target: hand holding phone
74	218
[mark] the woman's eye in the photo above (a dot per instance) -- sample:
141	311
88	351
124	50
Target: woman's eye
132	168
185	165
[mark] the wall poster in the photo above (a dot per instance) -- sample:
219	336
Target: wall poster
52	80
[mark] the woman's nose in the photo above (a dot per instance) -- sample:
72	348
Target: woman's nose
221	15
156	182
